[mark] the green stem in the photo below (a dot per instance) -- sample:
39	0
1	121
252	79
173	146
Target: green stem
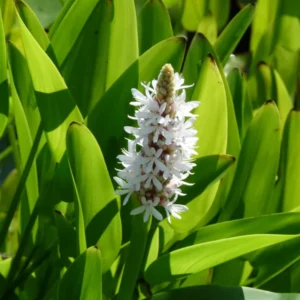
23	244
137	251
17	196
15	146
24	275
5	153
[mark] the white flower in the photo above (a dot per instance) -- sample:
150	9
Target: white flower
174	209
159	158
148	206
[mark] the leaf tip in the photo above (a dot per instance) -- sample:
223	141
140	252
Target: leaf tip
57	212
270	101
211	58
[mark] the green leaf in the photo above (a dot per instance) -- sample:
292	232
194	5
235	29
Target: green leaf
74	21
83	279
193	259
208	27
265	14
32	23
220	10
24	87
211	122
47	10
168	51
289	161
62	14
4	104
242	105
5	266
67	237
193	12
25	142
208	170
257	165
55	104
286	43
210	91
272	87
154	24
86	78
197	52
98	202
233	32
134	259
264	261
283	223
221	292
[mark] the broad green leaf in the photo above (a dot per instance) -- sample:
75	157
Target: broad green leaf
265	14
24	87
55	104
208	27
220	10
168	51
211	122
242	105
272	87
250	294
67	237
284	223
212	112
153	243
193	259
111	113
83	279
127	36
96	194
264	260
25	142
32	23
198	50
100	40
5	266
286	42
209	170
47	10
134	258
73	22
8	15
62	14
233	32
85	67
257	165
290	163
283	99
154	24
193	12
222	292
4	104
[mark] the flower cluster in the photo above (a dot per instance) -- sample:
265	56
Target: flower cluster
158	159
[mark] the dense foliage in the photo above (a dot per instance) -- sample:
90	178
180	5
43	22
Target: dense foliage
67	73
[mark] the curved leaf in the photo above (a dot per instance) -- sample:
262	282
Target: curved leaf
154	24
4	104
56	107
257	165
96	194
83	279
193	259
233	32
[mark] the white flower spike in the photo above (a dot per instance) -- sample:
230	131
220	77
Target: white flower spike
158	159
